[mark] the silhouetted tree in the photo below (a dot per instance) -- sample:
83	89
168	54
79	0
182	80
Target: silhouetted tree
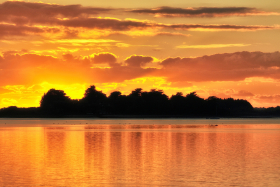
155	102
139	102
135	102
177	103
117	103
13	111
55	102
94	102
136	93
194	105
115	95
212	105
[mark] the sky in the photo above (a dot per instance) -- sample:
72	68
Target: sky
214	48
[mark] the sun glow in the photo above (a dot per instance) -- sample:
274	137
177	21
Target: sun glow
30	96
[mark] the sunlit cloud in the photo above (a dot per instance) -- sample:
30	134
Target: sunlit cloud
172	34
14	88
9	102
260	79
212	46
82	41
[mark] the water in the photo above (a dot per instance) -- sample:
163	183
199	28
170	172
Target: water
138	152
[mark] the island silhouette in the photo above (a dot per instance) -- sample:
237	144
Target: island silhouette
139	103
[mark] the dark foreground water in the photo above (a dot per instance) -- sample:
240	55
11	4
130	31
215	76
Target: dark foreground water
117	152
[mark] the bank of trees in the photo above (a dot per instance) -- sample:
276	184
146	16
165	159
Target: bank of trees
139	102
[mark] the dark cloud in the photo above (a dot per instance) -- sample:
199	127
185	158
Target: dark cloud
171	34
217	27
103	58
74	62
269	97
70	33
138	61
68	57
97	23
200	11
125	25
18	30
28	14
12	30
222	67
244	93
227	61
35	10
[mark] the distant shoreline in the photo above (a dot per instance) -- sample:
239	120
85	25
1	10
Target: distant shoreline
138	116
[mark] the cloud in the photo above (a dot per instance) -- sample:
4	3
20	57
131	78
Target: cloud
222	67
99	23
211	46
181	84
29	13
128	25
24	17
82	41
171	34
106	67
9	101
45	10
103	58
202	11
31	68
217	27
138	61
13	30
227	61
269	98
244	93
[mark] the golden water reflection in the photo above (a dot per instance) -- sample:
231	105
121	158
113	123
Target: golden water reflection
140	155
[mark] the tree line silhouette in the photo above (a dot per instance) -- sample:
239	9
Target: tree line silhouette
154	103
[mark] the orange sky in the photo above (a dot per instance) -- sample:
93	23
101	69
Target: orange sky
221	48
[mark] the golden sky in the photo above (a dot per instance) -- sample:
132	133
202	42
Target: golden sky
221	48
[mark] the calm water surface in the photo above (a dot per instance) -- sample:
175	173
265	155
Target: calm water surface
138	152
